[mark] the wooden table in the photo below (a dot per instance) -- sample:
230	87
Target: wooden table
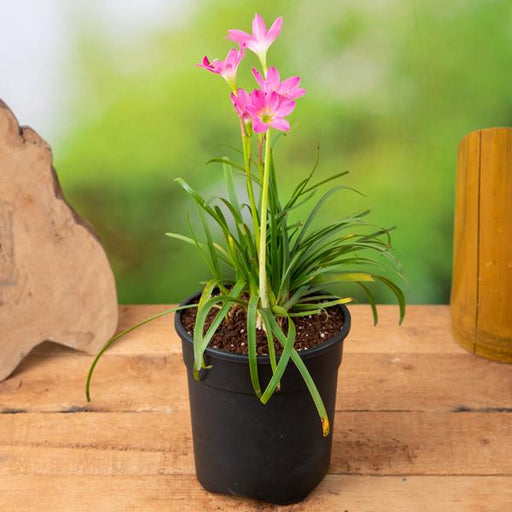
421	425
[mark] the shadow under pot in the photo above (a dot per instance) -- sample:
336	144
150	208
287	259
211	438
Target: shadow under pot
274	452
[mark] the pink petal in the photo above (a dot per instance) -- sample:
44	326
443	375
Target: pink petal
234	100
274	101
273	78
291	82
275	30
209	66
258	77
280	124
258	98
205	64
259	126
244	96
259	29
239	36
297	93
232	58
289	88
285	107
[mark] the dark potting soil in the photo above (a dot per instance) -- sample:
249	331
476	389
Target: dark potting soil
232	333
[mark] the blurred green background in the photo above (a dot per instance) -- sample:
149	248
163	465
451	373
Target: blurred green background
392	88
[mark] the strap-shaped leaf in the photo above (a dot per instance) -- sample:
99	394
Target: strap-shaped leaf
272	328
343	277
226	162
313	390
230	184
327	180
119	335
399	294
252	311
201	340
317	207
319	306
372	302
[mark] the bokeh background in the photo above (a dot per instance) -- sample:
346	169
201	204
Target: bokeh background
393	85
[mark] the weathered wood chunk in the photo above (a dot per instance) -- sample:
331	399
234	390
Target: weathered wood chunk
56	283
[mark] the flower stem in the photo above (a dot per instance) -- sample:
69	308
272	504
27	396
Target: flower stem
263	226
263	60
261	141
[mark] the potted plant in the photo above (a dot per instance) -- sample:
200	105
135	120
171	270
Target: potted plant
262	341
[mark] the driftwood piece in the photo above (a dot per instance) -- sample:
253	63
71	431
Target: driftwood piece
55	280
481	298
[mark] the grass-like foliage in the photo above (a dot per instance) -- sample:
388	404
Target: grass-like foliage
275	270
302	260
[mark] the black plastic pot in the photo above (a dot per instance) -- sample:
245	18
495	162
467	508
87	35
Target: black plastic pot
273	452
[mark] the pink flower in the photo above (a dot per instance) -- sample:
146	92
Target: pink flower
241	101
289	88
226	68
269	110
261	39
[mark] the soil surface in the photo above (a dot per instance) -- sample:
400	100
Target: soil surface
232	333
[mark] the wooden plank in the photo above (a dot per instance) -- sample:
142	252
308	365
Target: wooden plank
419	457
422	382
416	382
426	330
184	494
157	443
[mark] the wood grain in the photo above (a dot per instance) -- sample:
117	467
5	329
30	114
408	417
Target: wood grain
421	424
464	291
494	322
425	330
367	443
481	296
132	493
55	279
367	381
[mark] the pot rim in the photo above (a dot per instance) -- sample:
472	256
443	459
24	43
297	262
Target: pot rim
262	359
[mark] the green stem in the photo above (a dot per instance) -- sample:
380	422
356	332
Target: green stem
263	60
246	142
263	226
261	140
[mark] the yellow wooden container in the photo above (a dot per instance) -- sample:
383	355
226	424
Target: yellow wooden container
481	297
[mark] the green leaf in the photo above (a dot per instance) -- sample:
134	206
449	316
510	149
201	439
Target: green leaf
315	210
398	294
119	335
209	244
251	341
327	180
343	277
319	306
313	390
372	302
300	187
272	329
230	185
226	162
223	311
198	199
222	252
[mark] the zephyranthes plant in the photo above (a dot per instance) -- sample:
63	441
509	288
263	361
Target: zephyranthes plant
274	269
